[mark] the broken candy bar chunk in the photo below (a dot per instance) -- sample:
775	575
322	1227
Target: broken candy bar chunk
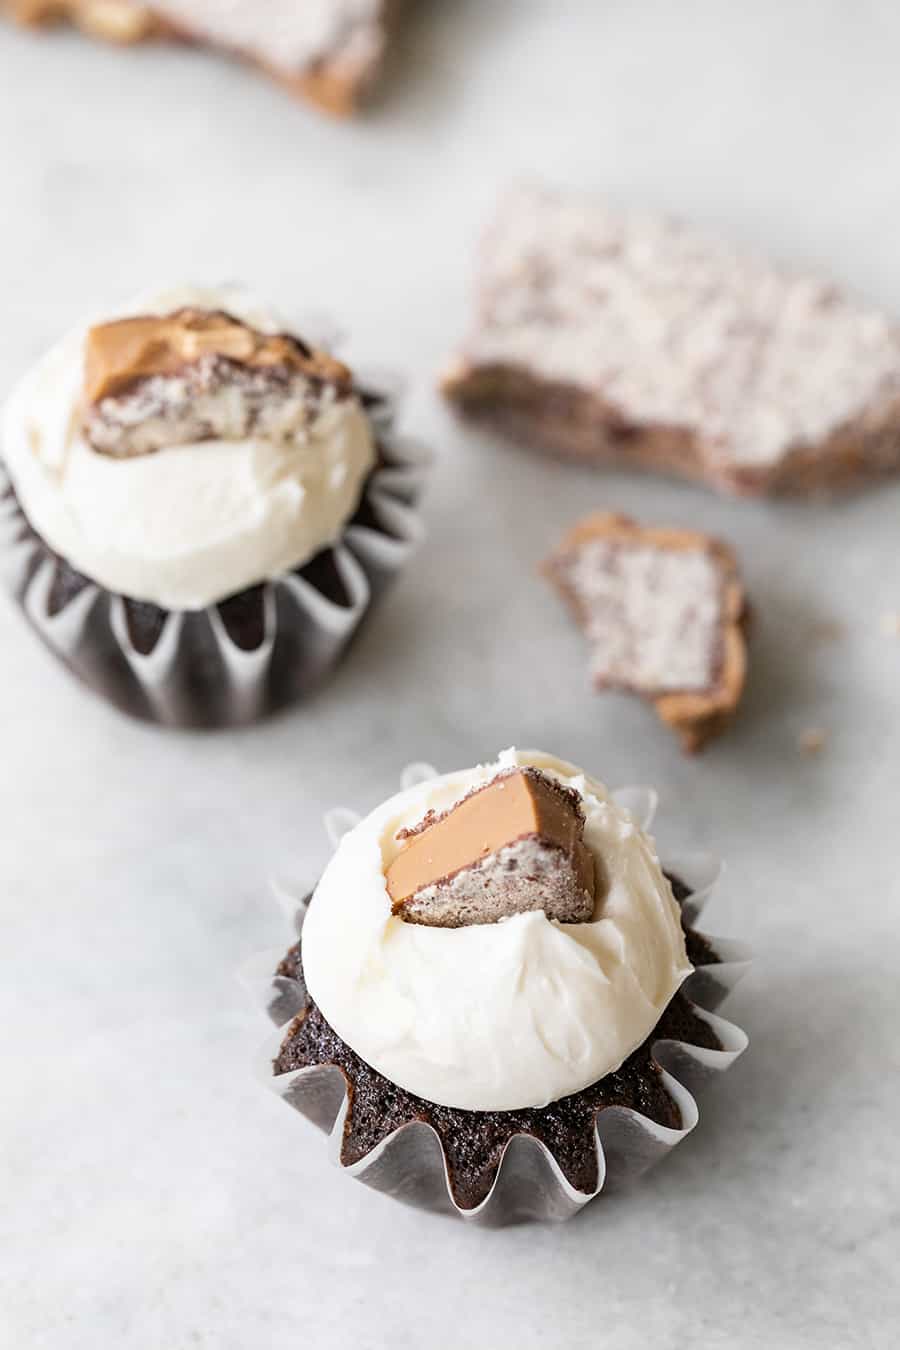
512	846
328	51
664	612
632	337
199	375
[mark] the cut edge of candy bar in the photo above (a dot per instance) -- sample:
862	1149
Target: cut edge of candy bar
524	407
494	884
696	716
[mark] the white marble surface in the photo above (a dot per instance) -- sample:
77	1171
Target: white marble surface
152	1193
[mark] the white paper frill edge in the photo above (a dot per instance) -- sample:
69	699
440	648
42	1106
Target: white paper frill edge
409	1164
196	674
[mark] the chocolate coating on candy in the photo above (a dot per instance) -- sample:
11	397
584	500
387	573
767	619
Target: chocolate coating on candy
512	846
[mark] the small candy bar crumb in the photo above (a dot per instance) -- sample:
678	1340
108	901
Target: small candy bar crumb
665	614
812	741
512	846
199	375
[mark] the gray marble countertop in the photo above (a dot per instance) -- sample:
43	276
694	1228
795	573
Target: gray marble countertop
153	1194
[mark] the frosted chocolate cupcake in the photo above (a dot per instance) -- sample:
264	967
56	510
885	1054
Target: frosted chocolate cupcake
202	506
498	1000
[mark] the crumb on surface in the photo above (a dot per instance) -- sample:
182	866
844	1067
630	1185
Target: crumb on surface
812	741
890	623
827	630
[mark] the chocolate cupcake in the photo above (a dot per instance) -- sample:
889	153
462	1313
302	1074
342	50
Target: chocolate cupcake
499	1003
201	506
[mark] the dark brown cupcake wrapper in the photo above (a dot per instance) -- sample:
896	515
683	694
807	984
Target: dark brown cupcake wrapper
242	658
410	1165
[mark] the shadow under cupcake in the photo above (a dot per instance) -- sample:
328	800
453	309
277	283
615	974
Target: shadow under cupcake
201	508
610	992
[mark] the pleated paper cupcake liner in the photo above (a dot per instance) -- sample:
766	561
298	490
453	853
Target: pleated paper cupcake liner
196	673
410	1165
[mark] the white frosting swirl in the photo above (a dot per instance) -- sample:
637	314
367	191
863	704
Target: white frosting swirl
494	1016
187	525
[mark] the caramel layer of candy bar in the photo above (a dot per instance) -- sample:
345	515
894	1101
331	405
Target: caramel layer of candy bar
512	846
197	375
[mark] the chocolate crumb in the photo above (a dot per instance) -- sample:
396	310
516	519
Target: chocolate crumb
812	741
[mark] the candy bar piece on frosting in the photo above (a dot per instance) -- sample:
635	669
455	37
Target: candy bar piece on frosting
328	51
664	613
509	847
198	375
632	337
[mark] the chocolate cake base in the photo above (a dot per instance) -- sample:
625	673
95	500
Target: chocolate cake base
242	615
473	1141
205	702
